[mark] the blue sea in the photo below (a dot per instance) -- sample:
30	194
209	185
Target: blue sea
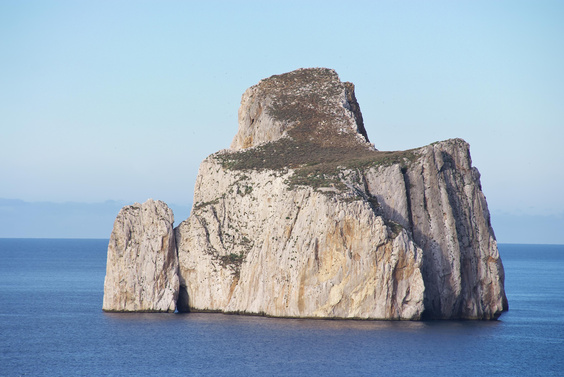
52	324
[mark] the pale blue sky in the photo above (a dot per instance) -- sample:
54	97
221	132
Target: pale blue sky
121	100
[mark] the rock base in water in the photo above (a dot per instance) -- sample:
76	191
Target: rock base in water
142	264
303	217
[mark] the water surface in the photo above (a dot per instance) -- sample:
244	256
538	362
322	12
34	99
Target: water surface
51	324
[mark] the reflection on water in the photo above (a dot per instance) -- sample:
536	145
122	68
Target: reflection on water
298	324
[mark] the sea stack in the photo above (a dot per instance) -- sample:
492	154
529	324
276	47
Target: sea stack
303	217
142	265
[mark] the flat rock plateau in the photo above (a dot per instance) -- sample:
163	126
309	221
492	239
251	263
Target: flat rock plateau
304	217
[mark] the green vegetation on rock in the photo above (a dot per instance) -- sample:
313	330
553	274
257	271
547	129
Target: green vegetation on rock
313	164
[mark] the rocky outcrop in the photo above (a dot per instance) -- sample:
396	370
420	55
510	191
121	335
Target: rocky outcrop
449	219
142	264
437	197
404	238
310	100
303	217
251	245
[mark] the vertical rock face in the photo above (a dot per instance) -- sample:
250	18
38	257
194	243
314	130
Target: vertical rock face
252	245
302	217
406	237
438	198
142	264
450	220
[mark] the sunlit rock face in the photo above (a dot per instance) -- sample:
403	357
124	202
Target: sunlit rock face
303	217
142	264
311	101
253	245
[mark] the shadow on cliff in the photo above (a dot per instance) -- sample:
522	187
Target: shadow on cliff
466	293
182	305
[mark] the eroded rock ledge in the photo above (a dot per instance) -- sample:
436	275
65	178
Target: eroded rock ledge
303	217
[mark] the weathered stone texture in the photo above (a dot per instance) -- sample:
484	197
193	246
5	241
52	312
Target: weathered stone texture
397	242
142	264
302	217
252	245
437	197
450	220
312	98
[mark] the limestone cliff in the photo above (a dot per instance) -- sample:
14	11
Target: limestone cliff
303	217
254	245
142	264
306	100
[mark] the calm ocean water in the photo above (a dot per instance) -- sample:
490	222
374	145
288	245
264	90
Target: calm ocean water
51	324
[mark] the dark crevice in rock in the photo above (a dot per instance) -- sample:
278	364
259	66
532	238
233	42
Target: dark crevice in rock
355	108
407	186
183	304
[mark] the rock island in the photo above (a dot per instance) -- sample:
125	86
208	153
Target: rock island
303	217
